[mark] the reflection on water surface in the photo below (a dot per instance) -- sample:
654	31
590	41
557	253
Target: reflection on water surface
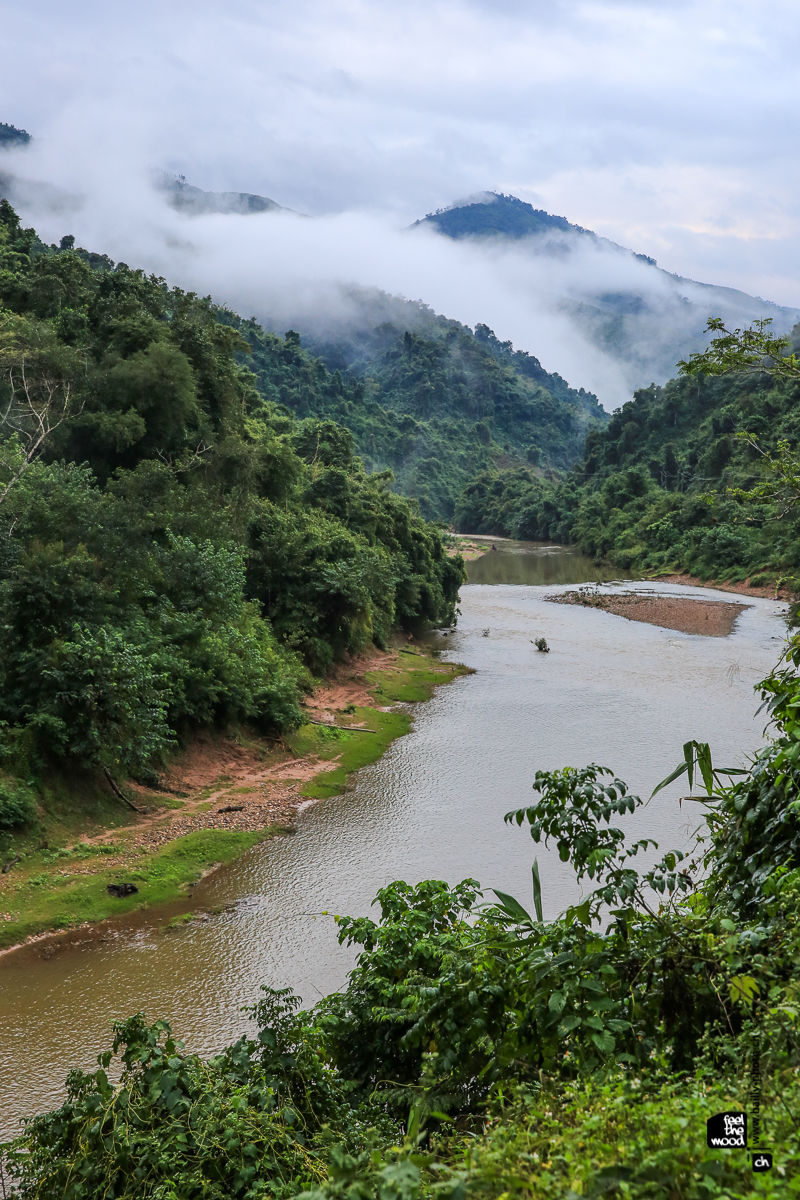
612	691
536	563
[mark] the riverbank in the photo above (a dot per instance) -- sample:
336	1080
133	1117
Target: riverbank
766	585
473	545
767	589
708	618
224	793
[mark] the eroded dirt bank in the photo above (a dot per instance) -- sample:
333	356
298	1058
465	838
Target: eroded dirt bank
781	591
222	794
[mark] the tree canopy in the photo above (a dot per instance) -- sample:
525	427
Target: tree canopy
176	548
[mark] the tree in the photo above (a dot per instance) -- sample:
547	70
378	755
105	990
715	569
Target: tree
38	394
754	350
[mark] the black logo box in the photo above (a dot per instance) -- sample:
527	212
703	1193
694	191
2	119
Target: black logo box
727	1131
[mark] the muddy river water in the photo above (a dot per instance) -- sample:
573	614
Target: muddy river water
612	691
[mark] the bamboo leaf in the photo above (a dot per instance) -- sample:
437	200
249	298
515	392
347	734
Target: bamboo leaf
537	891
512	907
675	775
704	763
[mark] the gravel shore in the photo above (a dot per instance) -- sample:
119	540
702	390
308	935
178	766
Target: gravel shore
709	618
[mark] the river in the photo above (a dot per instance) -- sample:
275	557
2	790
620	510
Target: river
613	691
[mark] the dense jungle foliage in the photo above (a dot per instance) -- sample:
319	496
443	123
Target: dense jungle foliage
480	1051
435	403
176	548
660	487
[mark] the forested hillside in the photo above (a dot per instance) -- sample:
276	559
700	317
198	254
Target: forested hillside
642	317
655	487
176	548
496	215
11	136
434	403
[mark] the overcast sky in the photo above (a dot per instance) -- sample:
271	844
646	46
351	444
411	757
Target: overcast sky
669	127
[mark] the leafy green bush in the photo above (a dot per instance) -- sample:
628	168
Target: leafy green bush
17	806
100	702
252	1122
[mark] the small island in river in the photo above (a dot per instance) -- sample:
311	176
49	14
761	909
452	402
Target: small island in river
710	618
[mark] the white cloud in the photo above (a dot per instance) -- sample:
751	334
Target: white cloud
665	126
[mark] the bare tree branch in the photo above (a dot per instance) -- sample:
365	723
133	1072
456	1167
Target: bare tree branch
187	460
38	404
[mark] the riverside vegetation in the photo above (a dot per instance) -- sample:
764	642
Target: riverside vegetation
177	550
477	1049
664	486
481	1051
60	882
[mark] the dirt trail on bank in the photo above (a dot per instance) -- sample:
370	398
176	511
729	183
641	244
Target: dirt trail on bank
262	781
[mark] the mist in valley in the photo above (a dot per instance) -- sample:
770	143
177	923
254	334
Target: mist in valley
596	314
363	119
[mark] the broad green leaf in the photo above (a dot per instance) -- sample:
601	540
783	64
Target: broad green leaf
579	912
743	988
512	907
603	1041
568	1023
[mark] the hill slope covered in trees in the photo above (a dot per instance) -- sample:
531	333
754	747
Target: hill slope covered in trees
11	136
495	215
177	550
429	400
655	488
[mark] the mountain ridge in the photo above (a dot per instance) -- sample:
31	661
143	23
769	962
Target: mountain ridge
194	201
11	136
645	322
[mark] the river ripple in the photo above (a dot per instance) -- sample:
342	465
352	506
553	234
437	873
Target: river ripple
613	691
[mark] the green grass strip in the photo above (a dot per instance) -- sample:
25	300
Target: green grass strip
46	900
406	683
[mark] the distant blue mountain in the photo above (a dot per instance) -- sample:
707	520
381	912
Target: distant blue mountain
493	214
648	325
